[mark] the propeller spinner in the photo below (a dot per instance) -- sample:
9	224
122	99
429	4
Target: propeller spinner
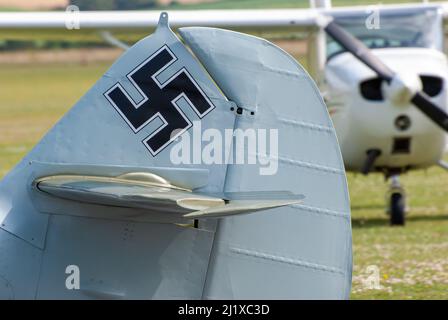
362	52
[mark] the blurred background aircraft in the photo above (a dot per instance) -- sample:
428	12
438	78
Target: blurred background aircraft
378	127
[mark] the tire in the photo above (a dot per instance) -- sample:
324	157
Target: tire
397	209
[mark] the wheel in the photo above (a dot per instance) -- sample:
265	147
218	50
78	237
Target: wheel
397	209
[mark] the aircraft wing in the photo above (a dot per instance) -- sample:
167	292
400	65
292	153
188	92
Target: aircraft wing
133	25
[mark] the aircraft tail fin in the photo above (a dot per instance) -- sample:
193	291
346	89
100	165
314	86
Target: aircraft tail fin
106	178
294	251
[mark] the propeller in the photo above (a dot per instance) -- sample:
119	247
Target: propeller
361	52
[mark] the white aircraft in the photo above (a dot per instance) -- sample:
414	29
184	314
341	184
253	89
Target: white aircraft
386	91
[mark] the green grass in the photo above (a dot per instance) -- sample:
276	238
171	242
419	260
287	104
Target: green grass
412	261
33	98
7	9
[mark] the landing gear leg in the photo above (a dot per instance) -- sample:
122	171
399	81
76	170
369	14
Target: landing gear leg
397	202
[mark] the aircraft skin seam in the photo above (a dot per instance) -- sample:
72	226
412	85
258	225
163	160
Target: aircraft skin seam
303	164
21	238
317	167
286	260
307	125
51	217
322	211
293	74
8	285
190	261
255	68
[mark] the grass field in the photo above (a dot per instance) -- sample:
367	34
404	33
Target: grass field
412	261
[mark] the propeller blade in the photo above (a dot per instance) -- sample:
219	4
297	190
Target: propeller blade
360	51
422	102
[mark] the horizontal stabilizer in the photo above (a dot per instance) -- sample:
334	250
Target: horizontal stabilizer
241	207
152	192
